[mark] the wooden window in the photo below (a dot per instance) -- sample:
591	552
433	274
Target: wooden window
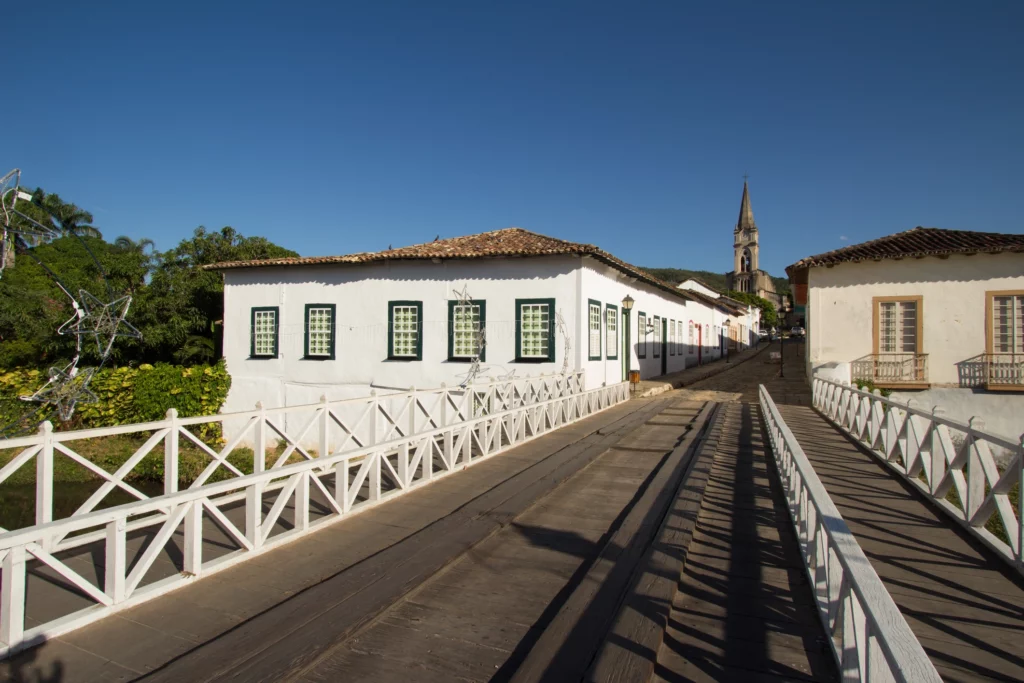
671	337
594	344
692	351
466	327
1005	317
898	324
534	324
405	330
707	336
264	334
641	341
657	337
611	332
320	331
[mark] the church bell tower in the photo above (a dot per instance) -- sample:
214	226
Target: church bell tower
745	262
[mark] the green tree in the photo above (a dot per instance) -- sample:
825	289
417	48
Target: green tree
769	316
184	304
66	218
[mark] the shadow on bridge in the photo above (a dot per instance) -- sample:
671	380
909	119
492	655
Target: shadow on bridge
965	606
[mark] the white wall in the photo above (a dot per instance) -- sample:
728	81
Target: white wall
839	319
361	294
692	284
609	286
840	315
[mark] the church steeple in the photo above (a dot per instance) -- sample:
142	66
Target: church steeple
746	221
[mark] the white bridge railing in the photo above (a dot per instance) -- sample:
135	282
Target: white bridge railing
943	458
408	440
870	639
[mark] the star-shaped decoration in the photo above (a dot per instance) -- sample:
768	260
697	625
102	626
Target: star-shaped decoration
103	322
67	388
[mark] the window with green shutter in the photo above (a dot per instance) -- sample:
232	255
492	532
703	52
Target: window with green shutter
405	330
465	322
535	320
263	337
594	342
320	331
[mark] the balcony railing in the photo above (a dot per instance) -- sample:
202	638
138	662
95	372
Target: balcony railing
885	369
1004	370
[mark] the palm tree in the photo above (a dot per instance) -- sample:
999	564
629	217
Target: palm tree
128	244
67	218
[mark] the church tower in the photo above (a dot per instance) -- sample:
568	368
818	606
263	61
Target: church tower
745	249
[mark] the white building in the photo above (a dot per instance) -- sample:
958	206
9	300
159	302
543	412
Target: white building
297	328
936	315
744	319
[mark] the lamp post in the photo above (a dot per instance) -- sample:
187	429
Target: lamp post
627	306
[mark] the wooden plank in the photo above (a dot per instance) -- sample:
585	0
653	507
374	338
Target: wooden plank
575	634
295	633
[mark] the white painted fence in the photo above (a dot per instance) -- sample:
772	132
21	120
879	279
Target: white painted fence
414	438
938	456
870	639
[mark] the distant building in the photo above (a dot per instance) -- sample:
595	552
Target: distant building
746	275
744	319
297	328
939	313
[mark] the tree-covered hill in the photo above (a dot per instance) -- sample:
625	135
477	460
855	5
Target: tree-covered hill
713	280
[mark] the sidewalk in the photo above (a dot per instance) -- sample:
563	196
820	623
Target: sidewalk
675	380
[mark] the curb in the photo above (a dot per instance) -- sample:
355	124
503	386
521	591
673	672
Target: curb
715	368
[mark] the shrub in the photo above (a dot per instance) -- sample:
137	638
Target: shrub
127	395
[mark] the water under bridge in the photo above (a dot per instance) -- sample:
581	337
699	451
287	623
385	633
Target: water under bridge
715	532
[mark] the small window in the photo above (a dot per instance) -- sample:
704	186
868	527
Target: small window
691	338
263	338
534	325
405	330
594	348
641	324
611	332
897	329
320	331
671	337
707	336
657	337
466	330
1007	333
679	338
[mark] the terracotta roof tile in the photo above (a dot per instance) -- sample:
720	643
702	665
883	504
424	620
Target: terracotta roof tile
508	242
916	243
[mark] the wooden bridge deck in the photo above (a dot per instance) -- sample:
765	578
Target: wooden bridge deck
744	610
965	606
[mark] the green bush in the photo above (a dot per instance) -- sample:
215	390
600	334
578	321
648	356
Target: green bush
126	395
869	386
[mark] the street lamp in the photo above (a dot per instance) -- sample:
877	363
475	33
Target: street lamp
627	306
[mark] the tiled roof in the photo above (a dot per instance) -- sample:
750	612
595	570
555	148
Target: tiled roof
916	243
508	242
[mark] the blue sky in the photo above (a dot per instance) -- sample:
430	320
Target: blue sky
342	127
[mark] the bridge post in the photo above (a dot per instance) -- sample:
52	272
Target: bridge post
116	560
44	475
325	427
975	470
12	598
171	453
193	560
938	464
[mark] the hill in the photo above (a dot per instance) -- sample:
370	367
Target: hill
713	280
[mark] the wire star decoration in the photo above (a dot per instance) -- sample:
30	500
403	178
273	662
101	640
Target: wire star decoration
103	322
67	388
